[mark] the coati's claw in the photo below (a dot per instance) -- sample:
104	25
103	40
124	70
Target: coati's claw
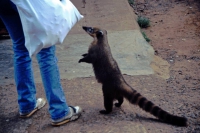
104	112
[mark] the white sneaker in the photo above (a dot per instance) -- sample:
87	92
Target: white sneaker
74	114
40	103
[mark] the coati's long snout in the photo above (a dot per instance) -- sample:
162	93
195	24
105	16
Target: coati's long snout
94	31
87	29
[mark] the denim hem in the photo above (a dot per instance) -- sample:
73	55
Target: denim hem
26	111
61	116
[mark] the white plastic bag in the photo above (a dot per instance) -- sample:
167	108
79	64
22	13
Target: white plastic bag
46	22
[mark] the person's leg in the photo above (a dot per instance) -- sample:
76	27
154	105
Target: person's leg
58	107
59	110
22	64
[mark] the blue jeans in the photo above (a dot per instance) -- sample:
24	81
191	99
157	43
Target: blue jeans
47	61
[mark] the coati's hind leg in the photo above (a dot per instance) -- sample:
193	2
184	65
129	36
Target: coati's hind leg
120	101
108	104
108	101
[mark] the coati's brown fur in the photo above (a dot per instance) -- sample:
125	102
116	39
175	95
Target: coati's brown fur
114	86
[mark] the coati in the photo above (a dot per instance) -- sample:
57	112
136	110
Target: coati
114	86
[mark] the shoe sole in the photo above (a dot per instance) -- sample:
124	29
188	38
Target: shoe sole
73	118
30	114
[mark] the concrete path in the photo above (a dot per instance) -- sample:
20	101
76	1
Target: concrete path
128	46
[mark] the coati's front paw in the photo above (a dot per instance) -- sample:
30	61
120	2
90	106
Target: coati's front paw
104	112
83	59
117	105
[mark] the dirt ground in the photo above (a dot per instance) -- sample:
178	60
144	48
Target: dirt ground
175	36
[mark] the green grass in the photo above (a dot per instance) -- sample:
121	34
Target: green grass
131	2
143	22
145	36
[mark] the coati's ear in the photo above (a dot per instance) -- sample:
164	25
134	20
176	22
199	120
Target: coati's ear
99	33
